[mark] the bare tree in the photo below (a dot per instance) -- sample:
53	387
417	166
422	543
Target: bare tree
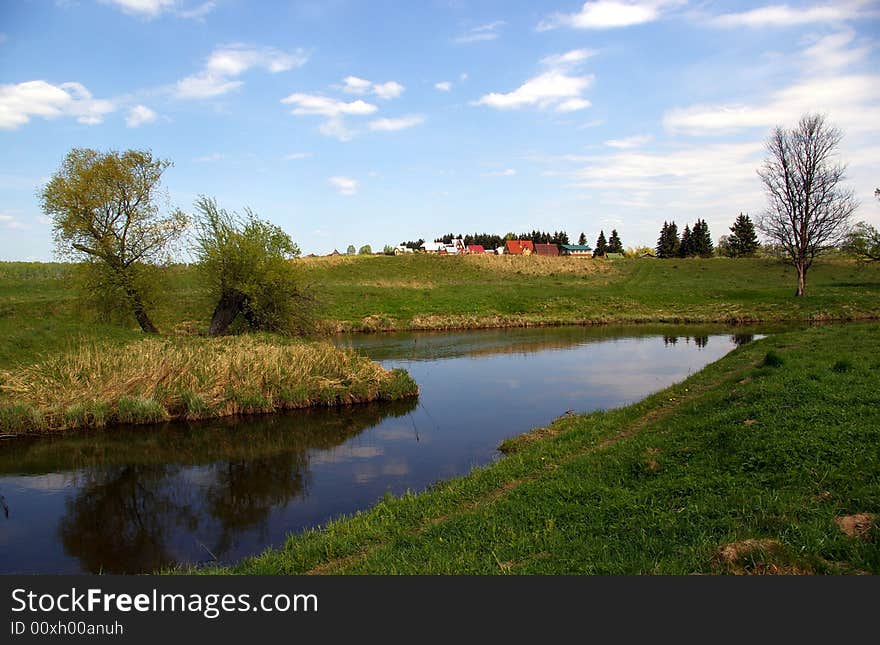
809	211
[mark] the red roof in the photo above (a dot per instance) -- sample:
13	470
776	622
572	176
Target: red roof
546	249
516	247
475	248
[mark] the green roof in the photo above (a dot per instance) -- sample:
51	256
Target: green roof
575	247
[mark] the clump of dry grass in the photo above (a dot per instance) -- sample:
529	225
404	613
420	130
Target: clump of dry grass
158	379
537	265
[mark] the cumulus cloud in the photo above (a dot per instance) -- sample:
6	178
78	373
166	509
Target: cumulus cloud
552	88
315	104
443	86
482	33
394	124
388	90
507	172
609	14
783	15
227	63
20	102
152	8
139	115
345	185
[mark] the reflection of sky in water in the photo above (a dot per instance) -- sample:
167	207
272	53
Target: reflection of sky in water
119	515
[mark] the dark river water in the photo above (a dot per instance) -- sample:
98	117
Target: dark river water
136	499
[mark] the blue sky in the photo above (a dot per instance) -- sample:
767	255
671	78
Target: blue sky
375	122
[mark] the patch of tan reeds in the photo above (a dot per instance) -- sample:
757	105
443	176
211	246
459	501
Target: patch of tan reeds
158	379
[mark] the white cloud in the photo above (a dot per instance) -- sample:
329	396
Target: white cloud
18	103
146	8
547	89
389	90
9	222
572	105
355	85
336	129
507	172
333	109
828	84
569	59
782	15
138	115
608	14
394	124
228	62
211	158
830	52
313	104
150	9
297	155
852	102
443	86
345	185
481	33
629	143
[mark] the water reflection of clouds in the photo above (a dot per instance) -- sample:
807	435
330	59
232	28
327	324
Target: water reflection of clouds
346	453
48	483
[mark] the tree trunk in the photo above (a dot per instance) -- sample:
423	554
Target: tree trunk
140	313
802	281
231	303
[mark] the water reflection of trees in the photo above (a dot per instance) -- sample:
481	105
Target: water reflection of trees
134	517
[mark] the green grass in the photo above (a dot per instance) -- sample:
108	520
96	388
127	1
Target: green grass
742	468
39	312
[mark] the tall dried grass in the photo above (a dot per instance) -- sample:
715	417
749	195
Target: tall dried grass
159	379
536	265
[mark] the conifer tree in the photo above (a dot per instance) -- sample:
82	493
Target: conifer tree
667	245
686	246
582	240
601	245
701	240
614	243
743	241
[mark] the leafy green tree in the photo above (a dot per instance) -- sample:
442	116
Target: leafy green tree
601	245
864	242
351	250
684	247
388	249
366	249
582	240
104	212
246	263
614	243
743	241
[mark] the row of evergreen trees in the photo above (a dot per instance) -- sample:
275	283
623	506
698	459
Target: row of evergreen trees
603	246
693	242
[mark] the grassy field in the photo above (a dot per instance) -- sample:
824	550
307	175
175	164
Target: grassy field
766	461
39	311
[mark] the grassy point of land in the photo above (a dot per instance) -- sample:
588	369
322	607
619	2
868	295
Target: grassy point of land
764	462
155	379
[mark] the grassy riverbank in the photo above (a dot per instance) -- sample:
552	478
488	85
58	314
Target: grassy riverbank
39	312
764	462
156	379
